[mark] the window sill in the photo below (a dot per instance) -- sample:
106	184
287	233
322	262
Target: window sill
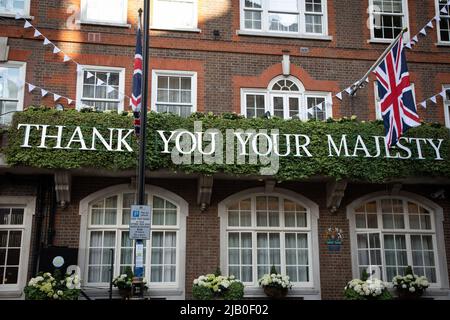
443	44
10	294
193	30
280	35
13	16
105	24
380	41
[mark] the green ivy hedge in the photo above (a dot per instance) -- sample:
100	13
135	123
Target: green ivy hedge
291	168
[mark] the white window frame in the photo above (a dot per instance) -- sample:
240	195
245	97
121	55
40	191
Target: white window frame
405	20
378	115
25	14
309	290
437	232
302	94
85	20
446	106
301	28
172	290
29	205
161	26
174	73
80	78
22	71
438	28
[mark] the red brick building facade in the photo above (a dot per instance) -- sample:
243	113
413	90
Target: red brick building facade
224	56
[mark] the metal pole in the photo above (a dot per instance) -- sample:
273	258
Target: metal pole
143	130
358	84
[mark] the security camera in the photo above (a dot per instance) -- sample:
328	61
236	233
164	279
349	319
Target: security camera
440	194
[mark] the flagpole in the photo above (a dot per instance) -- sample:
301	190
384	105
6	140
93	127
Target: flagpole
143	133
358	84
143	130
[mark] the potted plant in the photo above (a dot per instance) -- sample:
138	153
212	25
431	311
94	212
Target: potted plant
47	286
410	286
217	287
124	283
275	285
367	289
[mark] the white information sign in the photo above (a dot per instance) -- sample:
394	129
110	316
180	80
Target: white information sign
140	222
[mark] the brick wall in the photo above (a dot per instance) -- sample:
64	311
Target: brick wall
203	231
222	62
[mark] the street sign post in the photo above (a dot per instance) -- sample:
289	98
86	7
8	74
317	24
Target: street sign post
140	222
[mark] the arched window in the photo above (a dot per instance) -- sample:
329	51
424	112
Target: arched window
107	239
392	232
287	98
261	230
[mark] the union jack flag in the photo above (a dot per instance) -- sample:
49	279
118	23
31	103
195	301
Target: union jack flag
136	96
397	103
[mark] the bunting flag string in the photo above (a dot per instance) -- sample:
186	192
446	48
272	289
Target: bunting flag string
66	57
433	99
415	39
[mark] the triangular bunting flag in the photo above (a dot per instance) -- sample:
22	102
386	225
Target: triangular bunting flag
348	90
408	45
37	33
320	106
444	10
31	87
56	50
27	25
89	75
430	24
100	82
424	104
437	18
69	101
442	94
43	92
433	99
18	16
415	39
66	58
56	97
423	32
46	42
339	95
109	89
311	111
367	80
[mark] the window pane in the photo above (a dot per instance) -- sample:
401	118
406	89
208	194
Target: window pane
283	22
283	5
11	275
105	10
16	216
174	14
233	219
15	239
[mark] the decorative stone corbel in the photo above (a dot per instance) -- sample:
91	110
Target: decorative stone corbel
335	194
395	188
204	192
63	187
269	185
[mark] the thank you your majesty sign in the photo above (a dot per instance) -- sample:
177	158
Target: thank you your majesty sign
233	146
